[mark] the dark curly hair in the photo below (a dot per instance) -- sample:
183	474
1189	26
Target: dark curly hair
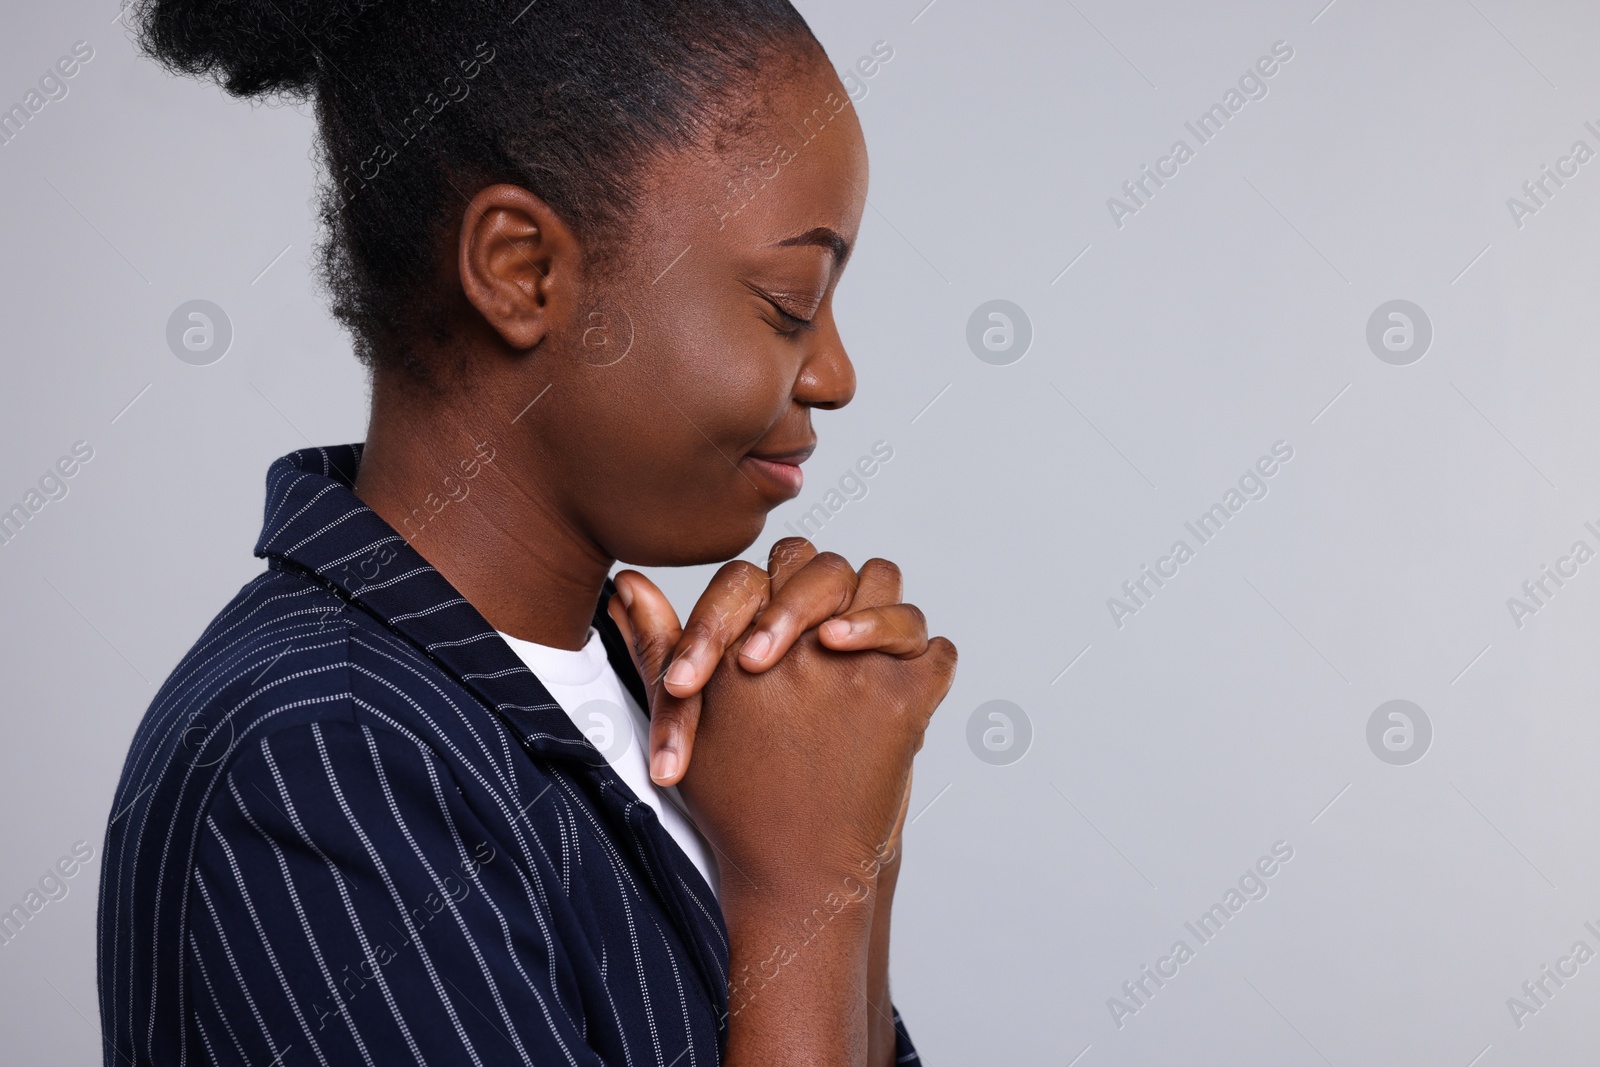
420	103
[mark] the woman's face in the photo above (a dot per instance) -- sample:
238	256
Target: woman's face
682	390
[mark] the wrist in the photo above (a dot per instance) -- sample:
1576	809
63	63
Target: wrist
798	969
798	911
766	884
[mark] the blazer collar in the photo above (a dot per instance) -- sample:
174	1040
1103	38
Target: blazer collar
315	523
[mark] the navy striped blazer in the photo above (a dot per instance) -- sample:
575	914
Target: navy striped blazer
353	828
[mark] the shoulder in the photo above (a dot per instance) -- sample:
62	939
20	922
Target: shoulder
288	652
278	650
292	692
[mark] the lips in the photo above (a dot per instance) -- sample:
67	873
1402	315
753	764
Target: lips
778	470
794	456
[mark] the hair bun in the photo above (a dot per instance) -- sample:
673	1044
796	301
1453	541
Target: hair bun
251	48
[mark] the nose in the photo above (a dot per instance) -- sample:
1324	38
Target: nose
827	378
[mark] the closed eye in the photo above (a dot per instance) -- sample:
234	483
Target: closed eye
789	324
794	322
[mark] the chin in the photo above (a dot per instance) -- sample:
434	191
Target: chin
696	545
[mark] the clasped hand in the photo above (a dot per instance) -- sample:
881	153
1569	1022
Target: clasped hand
801	692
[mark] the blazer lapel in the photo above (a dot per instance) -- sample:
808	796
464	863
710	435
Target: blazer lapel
314	522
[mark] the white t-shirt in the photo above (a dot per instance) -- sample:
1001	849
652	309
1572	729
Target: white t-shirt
594	698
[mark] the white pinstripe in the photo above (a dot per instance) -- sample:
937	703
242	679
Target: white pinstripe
431	610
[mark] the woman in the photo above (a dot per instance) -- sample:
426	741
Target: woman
588	251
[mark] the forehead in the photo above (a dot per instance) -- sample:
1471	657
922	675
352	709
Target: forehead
792	162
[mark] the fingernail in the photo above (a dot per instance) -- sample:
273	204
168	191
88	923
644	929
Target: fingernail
756	648
838	629
681	672
625	594
664	765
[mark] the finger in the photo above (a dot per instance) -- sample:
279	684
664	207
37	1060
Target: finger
880	585
787	558
653	625
652	622
899	630
820	590
735	596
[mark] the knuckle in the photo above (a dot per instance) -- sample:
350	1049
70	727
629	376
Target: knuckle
791	550
781	614
744	577
702	628
718	620
645	644
829	560
667	718
653	657
836	567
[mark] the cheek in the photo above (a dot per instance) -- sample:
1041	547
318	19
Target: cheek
669	421
660	480
723	370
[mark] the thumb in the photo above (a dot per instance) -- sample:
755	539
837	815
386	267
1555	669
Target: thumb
647	619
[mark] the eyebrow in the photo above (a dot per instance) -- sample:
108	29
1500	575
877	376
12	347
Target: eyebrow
823	237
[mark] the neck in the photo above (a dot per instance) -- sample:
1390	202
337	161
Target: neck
465	490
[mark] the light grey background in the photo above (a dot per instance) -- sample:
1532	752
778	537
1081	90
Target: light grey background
1228	314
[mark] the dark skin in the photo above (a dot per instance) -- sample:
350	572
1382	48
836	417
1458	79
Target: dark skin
654	413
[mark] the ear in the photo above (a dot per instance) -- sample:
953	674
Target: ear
519	264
